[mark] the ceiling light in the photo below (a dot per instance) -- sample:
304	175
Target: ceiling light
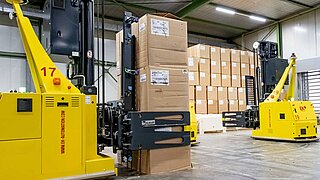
258	18
228	11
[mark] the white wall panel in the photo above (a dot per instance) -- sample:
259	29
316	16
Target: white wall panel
13	74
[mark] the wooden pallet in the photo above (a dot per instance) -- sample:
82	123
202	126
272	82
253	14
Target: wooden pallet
236	129
213	131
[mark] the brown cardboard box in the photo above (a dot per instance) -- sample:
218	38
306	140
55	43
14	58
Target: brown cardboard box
215	79
162	160
162	33
243	81
215	66
244	57
162	57
162	89
245	69
252	70
235	56
225	54
236	81
200	51
225	80
251	58
215	53
235	68
233	105
225	67
192	93
213	106
201	106
241	93
193	78
212	93
232	93
204	65
193	64
201	92
242	105
204	78
223	105
222	93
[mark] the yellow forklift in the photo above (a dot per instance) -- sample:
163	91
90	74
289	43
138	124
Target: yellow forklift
271	117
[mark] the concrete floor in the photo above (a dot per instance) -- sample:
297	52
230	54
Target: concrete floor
234	155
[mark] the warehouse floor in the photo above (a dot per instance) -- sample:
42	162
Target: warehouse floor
234	155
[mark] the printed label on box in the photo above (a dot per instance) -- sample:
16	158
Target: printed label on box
224	76
202	48
230	89
224	64
190	62
234	77
214	76
252	66
210	101
213	63
221	102
213	49
143	77
243	65
198	88
243	77
202	61
243	53
202	74
142	27
232	102
234	51
234	64
240	90
199	102
210	88
220	88
223	50
241	102
159	27
159	77
191	76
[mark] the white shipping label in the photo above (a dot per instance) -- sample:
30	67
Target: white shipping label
243	77
213	63
202	61
221	102
159	77
143	77
198	88
213	50
234	64
213	76
190	62
202	74
234	51
252	66
191	76
142	27
202	47
234	77
232	102
210	101
88	99
224	64
230	89
210	88
240	90
159	27
243	65
243	53
224	76
241	102
223	50
199	102
220	88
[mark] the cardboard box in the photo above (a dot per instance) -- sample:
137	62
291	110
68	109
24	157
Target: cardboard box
225	80
159	32
204	65
242	105
201	92
222	93
223	105
162	89
215	79
213	107
225	67
244	57
252	70
236	81
232	93
225	54
201	106
215	66
193	64
162	58
235	56
235	68
200	51
233	105
193	78
204	78
215	53
162	160
243	81
212	93
192	93
241	93
251	58
245	69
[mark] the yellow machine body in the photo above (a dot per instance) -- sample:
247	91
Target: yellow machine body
51	133
291	121
193	128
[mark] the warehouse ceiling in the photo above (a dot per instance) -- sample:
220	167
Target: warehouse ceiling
224	19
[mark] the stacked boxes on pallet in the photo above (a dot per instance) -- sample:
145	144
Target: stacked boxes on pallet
225	90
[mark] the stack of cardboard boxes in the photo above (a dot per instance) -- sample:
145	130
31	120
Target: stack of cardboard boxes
217	78
162	83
